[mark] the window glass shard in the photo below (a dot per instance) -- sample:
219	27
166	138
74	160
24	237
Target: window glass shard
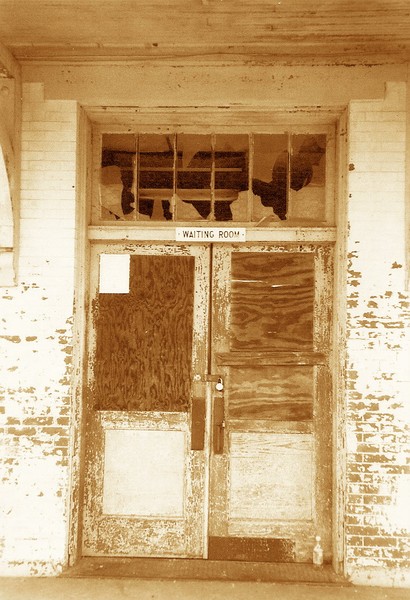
155	177
117	194
231	177
269	183
307	198
194	172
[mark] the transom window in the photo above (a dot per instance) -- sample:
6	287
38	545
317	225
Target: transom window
253	178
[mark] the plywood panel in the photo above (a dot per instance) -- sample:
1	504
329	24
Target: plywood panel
270	476
144	473
144	338
281	393
251	549
272	301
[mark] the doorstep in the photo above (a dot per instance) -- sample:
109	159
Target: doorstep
200	569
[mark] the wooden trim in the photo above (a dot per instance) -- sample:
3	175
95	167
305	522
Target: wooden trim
8	63
240	358
268	425
225	118
279	233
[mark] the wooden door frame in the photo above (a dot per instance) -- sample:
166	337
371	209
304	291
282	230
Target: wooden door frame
200	341
275	235
323	286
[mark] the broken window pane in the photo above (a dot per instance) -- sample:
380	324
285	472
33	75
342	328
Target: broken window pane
117	194
269	183
195	177
155	176
231	177
289	177
307	183
194	167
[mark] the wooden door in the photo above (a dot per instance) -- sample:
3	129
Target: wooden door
270	469
145	464
177	466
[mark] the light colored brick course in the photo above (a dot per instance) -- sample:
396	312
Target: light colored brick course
378	326
36	347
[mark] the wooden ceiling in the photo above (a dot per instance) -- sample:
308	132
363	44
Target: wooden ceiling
345	30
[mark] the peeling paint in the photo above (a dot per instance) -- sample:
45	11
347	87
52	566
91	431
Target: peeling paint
11	338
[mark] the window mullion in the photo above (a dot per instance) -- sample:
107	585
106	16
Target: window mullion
213	143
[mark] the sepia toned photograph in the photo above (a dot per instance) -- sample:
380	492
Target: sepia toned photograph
204	300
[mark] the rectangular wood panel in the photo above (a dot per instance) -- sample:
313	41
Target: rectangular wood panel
144	473
244	358
251	549
281	393
272	300
144	338
198	415
271	476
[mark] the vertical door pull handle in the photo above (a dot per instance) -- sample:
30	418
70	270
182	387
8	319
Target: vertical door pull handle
218	426
198	424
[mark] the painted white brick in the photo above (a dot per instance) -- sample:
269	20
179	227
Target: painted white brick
47	165
49	126
55	195
46	146
36	352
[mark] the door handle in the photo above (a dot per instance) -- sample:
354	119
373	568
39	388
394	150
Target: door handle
198	411
218	432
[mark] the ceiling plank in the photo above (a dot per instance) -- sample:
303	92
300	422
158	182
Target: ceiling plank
40	29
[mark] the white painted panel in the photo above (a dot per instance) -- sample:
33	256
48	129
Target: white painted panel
114	274
144	473
270	476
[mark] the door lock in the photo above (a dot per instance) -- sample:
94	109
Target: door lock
219	385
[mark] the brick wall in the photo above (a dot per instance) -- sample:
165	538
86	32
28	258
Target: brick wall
36	339
377	522
36	344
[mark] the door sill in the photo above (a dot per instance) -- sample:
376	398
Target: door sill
199	569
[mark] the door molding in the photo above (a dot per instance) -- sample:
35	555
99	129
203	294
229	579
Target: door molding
227	357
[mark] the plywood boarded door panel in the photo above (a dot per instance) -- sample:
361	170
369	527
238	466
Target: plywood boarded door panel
271	469
145	434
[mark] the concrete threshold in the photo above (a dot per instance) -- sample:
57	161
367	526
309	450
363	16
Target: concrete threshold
205	570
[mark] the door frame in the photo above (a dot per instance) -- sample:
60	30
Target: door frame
320	358
296	235
107	421
268	243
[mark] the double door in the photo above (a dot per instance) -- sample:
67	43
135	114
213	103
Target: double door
208	427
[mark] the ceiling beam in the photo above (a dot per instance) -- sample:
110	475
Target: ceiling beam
9	67
307	52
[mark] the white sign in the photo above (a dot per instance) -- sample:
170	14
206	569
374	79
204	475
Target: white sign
210	234
114	274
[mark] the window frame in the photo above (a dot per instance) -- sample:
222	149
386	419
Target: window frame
123	229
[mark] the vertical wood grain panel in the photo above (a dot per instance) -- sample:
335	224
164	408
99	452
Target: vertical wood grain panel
144	338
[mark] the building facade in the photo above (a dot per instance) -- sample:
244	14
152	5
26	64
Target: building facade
310	435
